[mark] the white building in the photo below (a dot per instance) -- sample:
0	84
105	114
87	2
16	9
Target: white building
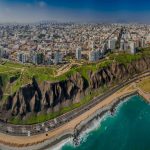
25	58
112	44
78	53
92	56
132	47
122	45
142	42
22	57
37	58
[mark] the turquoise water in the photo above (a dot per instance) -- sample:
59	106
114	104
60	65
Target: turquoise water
128	129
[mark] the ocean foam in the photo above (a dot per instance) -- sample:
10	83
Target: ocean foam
93	126
68	141
120	104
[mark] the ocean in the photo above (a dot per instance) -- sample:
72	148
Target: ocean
127	129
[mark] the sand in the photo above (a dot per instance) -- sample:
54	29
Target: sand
25	141
16	141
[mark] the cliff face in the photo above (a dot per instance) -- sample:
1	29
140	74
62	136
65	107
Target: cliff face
48	96
118	72
36	97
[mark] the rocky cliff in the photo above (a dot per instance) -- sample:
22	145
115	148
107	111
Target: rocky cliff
46	96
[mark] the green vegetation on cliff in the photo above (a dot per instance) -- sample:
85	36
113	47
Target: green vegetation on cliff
23	73
34	118
13	76
124	58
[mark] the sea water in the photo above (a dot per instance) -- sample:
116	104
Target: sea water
127	129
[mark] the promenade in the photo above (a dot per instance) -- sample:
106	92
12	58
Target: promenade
23	135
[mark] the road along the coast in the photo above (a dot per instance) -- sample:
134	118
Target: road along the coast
24	135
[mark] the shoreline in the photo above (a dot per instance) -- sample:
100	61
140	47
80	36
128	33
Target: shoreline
71	129
100	113
79	129
86	124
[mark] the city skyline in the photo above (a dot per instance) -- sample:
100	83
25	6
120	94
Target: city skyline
123	11
65	65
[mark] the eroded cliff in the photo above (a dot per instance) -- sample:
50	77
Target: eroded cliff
46	96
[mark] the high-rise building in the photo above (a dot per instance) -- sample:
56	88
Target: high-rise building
37	58
1	52
95	55
142	42
57	57
25	58
22	57
4	52
98	54
78	53
34	59
112	44
92	55
122	42
132	47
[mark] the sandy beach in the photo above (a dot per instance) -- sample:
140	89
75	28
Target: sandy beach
36	142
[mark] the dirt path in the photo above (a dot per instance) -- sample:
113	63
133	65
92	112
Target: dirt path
66	68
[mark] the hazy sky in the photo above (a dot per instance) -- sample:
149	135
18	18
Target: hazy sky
75	10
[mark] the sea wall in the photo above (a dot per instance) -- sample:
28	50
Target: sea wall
80	128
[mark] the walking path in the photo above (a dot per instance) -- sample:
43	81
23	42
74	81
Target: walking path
24	141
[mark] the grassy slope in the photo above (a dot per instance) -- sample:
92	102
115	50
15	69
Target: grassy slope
145	84
48	73
26	73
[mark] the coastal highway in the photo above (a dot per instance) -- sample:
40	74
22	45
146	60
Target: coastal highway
35	129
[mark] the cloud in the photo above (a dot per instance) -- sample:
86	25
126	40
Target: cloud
41	10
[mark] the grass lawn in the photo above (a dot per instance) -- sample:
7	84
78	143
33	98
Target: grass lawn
145	84
48	73
125	58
